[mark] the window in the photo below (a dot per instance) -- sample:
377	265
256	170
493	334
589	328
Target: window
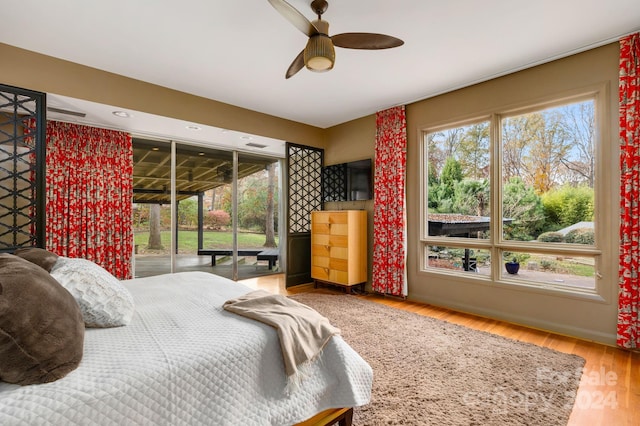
511	197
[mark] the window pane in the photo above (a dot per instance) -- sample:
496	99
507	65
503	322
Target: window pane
572	271
458	187
548	174
459	259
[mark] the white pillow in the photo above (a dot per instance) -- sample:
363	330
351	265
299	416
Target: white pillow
103	300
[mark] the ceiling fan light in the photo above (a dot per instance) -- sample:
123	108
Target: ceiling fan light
319	55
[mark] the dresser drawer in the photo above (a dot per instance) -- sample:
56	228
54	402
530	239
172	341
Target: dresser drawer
332	275
319	273
339	277
339	253
330	228
320	228
326	217
338	264
330	240
320	250
320	261
322	254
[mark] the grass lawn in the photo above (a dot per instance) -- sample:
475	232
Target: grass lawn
572	268
188	240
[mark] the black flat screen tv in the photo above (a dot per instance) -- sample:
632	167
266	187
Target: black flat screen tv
351	181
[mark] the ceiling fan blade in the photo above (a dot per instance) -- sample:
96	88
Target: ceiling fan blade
296	65
292	15
370	41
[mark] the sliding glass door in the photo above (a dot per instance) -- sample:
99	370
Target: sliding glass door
151	207
257	216
225	216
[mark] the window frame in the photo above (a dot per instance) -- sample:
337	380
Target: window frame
496	244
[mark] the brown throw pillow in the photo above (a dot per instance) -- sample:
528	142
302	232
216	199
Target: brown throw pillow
41	257
41	328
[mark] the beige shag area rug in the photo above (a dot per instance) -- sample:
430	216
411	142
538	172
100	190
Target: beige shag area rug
431	372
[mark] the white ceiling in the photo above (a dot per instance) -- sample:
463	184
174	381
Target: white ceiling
237	52
154	127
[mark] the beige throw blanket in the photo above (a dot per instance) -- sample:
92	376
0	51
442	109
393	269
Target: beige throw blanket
303	332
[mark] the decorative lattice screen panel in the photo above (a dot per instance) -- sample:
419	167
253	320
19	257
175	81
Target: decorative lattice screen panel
304	165
334	186
22	135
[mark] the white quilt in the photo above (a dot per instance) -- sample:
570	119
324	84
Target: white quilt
183	360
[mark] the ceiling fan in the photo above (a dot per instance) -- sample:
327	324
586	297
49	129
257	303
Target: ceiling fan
319	54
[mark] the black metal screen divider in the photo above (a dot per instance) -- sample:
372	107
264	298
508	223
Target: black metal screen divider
304	195
22	152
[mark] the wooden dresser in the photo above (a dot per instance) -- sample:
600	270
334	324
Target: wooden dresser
339	247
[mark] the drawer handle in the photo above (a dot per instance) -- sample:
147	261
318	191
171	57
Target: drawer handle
328	247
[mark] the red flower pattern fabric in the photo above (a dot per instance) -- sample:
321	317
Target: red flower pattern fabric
629	291
389	217
89	195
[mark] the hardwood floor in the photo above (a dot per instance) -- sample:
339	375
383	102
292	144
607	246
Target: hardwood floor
609	392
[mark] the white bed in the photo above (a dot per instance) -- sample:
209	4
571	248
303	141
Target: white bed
183	360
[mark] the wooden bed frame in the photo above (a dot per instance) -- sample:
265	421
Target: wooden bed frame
341	416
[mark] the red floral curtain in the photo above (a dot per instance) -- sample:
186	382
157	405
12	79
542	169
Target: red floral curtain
89	195
629	293
389	218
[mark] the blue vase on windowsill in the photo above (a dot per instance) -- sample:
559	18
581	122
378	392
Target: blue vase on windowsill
512	267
